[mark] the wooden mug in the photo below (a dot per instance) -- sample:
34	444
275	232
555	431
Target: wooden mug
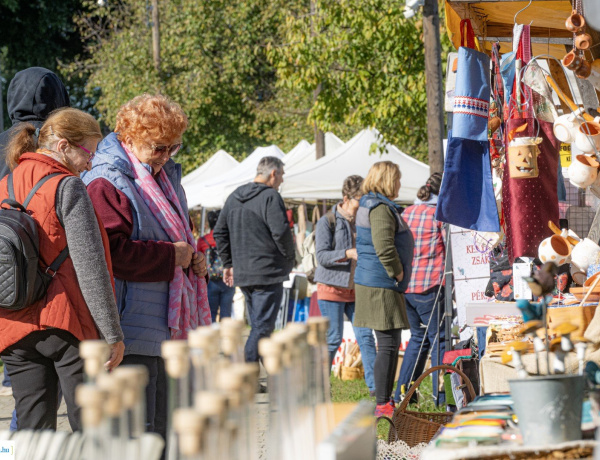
583	41
575	22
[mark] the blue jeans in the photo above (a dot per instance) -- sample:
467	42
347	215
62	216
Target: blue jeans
220	295
419	308
6	379
481	333
364	336
262	305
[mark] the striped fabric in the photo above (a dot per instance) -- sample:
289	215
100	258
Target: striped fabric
471	106
428	262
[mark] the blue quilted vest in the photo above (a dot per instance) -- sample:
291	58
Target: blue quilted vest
142	306
369	269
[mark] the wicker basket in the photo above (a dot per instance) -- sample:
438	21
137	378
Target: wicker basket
352	373
416	427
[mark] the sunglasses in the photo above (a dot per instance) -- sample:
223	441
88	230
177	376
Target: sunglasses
170	149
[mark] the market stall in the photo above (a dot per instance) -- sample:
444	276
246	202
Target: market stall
520	191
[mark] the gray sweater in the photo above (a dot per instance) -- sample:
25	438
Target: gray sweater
75	211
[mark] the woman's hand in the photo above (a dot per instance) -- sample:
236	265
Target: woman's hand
199	264
116	356
183	254
228	276
400	277
351	254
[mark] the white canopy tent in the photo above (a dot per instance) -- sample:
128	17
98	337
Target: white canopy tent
323	179
220	163
304	153
211	194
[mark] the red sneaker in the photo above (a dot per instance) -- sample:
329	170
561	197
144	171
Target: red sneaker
384	410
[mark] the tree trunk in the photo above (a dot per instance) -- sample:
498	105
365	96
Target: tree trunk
155	35
435	94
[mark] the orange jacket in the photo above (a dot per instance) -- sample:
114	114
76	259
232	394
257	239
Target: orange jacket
63	307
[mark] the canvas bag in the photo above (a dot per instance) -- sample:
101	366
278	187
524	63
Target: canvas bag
528	204
466	196
472	92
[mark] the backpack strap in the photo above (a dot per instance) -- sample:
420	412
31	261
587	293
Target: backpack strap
54	266
35	188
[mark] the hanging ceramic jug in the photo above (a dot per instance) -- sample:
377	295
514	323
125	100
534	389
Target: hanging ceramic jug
575	22
522	157
583	41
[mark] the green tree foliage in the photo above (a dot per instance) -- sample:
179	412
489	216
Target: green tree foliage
365	61
213	63
38	33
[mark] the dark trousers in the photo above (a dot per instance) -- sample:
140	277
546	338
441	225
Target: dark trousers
420	308
220	295
386	362
156	392
262	305
36	364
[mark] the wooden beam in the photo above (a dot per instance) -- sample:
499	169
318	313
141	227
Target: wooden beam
543	41
498	29
478	19
560	78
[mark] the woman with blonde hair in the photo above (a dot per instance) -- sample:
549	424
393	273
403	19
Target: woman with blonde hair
40	343
385	246
136	188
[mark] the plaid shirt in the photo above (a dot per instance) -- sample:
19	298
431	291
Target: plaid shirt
428	263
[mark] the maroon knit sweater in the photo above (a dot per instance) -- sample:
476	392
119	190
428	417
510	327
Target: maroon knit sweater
142	261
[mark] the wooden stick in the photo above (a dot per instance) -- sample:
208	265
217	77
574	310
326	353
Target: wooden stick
587	294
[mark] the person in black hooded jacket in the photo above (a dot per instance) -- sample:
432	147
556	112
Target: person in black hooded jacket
32	94
255	241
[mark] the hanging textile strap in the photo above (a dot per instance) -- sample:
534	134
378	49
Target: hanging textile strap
467	35
525	102
498	87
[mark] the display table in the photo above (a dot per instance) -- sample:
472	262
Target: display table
573	449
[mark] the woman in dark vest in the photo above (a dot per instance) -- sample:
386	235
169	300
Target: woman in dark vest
385	246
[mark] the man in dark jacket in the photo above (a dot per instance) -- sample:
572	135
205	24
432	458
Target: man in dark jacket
32	94
254	238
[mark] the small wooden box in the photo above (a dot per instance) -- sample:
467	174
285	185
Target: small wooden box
577	315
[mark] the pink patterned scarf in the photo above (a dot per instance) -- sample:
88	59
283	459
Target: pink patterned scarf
188	301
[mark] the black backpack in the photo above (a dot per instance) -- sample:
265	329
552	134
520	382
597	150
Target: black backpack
22	281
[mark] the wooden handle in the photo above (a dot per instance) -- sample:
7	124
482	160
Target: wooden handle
563	97
447	367
552	226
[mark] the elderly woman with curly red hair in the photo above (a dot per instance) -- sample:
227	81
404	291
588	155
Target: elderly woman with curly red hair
135	187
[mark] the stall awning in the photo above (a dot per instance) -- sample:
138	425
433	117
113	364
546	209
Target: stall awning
493	21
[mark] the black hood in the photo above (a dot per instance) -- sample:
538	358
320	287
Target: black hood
33	93
249	191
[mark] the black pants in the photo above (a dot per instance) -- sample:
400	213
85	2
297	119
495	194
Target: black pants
262	304
36	364
156	392
386	362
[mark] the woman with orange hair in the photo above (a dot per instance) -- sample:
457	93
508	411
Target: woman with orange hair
136	188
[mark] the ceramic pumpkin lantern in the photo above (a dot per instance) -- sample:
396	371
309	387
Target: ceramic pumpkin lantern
523	158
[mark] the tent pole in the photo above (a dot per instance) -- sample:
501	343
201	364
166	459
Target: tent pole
203	221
